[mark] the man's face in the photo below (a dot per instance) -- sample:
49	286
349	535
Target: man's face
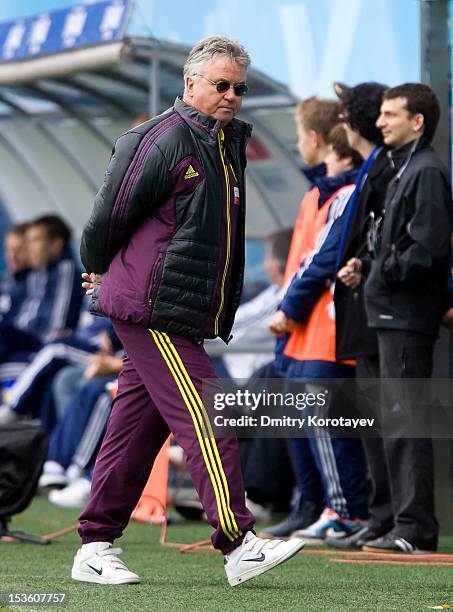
398	127
202	95
16	253
307	144
41	248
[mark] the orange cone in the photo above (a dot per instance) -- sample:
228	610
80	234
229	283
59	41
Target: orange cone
152	505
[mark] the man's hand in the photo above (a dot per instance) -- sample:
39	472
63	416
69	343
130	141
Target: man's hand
105	343
351	274
90	282
280	324
103	365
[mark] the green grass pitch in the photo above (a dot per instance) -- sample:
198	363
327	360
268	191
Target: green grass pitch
196	581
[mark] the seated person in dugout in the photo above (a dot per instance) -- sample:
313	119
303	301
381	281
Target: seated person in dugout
14	290
54	297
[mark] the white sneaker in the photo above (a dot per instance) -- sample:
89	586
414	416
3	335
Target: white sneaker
329	524
53	475
73	472
75	495
99	562
256	556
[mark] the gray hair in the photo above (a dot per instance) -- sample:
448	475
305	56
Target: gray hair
207	48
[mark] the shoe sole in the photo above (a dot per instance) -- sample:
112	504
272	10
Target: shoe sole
257	571
348	547
398	551
339	545
311	538
52	482
86	577
313	541
331	533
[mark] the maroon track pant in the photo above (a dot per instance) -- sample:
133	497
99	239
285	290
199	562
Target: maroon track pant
160	391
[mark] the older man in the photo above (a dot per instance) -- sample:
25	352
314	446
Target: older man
164	253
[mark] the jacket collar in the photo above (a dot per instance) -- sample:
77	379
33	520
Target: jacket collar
208	128
313	173
328	185
400	156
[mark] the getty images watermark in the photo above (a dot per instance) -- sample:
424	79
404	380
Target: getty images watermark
252	401
271	409
277	408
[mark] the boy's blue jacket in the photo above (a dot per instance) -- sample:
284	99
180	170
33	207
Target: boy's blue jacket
307	286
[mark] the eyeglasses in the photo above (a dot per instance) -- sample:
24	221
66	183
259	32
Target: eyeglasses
223	86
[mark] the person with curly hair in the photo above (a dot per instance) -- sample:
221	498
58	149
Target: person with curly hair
354	339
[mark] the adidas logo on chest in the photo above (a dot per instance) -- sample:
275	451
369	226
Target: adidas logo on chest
191	173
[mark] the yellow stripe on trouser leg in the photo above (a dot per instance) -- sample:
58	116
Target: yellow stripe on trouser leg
202	436
209	439
181	386
209	428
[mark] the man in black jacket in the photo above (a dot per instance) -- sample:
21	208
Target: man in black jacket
405	299
354	339
164	253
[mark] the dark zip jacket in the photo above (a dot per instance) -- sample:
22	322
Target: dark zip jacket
408	284
161	229
353	336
